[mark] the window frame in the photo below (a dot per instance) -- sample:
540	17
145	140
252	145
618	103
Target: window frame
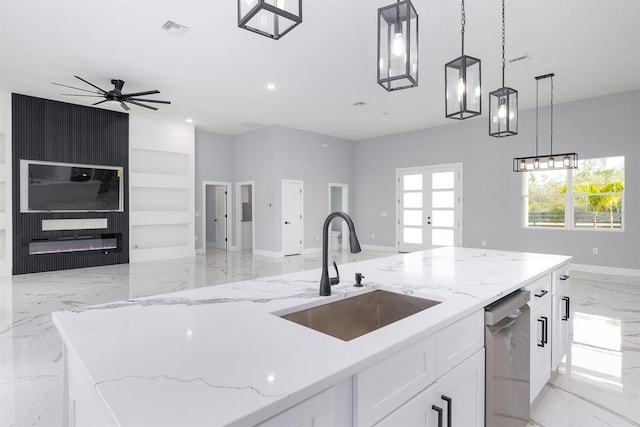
569	203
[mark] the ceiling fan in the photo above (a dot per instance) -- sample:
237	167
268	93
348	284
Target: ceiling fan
116	94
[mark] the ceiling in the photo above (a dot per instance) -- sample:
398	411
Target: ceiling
217	73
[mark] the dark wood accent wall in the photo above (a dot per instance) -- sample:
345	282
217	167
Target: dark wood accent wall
60	132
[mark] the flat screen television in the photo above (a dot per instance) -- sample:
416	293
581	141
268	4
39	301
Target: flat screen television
68	187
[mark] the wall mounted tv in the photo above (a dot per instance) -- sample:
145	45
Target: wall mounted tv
68	187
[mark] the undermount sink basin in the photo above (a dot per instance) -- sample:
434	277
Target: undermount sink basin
352	317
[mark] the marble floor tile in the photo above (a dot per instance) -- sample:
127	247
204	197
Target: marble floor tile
598	384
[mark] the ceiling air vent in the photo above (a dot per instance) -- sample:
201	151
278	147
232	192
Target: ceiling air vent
175	29
521	58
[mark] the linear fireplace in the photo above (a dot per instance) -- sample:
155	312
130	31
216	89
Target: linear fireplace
105	243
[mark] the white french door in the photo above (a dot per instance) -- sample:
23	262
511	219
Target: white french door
429	212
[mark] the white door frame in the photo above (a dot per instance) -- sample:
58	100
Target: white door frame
399	171
345	207
227	186
295	181
239	214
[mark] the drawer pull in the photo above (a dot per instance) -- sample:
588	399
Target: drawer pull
541	294
541	342
439	411
564	277
449	409
566	307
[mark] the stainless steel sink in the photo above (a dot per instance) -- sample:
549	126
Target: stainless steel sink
355	316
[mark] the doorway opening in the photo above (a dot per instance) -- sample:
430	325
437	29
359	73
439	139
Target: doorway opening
338	201
245	224
216	215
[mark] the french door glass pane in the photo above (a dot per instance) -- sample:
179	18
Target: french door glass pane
442	237
442	180
412	217
442	218
412	200
412	182
442	199
412	235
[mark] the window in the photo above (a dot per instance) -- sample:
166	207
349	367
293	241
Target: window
588	198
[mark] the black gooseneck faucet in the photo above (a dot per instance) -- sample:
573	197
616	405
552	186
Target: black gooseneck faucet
354	246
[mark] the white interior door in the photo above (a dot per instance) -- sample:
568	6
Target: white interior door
292	200
221	218
429	210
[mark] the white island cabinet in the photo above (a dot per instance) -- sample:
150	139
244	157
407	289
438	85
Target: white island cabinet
222	356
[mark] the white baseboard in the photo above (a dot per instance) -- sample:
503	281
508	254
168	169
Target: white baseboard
270	254
601	269
379	248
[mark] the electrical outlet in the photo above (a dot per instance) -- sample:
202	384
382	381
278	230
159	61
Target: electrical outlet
72	411
595	251
317	238
484	243
373	236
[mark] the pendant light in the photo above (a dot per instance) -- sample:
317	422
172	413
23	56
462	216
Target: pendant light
398	46
550	161
503	103
270	18
462	84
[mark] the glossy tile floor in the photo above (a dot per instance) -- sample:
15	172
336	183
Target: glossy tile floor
599	385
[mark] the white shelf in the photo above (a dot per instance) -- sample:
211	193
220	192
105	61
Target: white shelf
159	199
159	162
159	236
160	181
159	218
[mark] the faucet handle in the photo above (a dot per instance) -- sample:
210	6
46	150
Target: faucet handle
335	280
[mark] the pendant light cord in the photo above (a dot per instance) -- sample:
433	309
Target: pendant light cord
503	61
551	115
537	84
462	22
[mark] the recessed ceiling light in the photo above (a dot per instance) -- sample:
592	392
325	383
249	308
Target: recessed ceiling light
271	86
189	120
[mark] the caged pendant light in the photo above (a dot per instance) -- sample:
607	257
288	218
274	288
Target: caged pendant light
462	84
503	103
398	46
550	161
270	18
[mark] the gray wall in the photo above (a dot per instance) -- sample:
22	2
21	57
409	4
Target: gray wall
598	127
214	154
266	156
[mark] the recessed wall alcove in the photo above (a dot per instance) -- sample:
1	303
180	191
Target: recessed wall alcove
52	131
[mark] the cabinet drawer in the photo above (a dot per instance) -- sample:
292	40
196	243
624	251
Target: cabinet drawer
540	291
561	278
383	387
459	341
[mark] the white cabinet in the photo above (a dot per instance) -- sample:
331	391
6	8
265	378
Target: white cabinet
317	411
455	400
430	364
561	308
540	357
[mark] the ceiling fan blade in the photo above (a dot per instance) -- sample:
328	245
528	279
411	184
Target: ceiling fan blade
90	84
75	94
147	92
141	105
72	87
100	102
125	106
146	100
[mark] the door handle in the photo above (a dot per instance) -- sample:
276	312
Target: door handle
545	331
541	342
439	411
541	294
428	220
449	409
287	222
566	307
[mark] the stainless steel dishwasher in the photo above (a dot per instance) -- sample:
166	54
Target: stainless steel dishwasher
507	350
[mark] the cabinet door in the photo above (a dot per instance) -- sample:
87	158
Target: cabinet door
456	400
540	347
317	411
561	315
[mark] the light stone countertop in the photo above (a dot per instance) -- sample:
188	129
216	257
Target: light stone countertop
218	356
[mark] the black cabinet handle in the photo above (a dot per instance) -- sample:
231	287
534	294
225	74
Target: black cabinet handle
545	334
564	277
449	409
541	294
566	307
439	411
541	342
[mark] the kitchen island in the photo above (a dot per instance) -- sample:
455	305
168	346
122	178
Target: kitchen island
220	356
